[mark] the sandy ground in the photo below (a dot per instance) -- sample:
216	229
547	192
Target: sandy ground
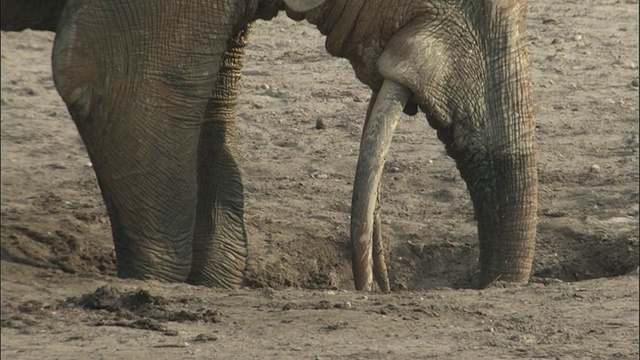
299	302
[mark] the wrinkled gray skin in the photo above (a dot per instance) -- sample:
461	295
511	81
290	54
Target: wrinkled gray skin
152	87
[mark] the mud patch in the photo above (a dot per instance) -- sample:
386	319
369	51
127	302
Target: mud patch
428	266
583	256
68	249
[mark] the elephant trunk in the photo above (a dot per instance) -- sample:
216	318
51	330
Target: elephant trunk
376	139
505	205
501	174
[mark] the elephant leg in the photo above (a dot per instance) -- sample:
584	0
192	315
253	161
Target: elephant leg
220	240
137	84
150	195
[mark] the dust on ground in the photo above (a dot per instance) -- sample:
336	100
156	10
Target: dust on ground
60	298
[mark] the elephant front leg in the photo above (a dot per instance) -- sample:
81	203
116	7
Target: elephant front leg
220	240
151	222
137	80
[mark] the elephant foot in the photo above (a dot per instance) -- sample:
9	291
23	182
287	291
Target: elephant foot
225	277
220	259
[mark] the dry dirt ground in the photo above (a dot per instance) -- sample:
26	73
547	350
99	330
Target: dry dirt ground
61	301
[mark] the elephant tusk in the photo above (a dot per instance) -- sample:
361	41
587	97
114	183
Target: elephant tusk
376	140
379	263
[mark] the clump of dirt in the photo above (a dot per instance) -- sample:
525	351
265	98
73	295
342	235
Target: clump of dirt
139	309
112	299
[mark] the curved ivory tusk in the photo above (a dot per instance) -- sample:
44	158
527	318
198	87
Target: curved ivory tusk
380	273
376	139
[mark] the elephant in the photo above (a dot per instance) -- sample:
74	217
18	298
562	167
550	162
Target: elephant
152	87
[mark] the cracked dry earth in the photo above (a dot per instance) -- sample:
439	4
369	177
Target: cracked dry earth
60	299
